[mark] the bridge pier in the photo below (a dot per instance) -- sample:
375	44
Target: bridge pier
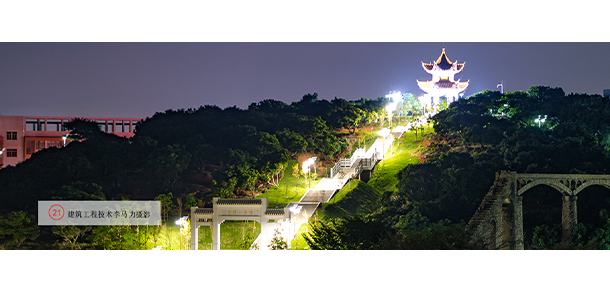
568	218
518	203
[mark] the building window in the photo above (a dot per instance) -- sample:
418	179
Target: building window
39	144
11	135
57	144
11	152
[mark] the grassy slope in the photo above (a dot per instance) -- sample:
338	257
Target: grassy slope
291	189
398	157
356	197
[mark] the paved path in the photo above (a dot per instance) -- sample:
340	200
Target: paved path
326	188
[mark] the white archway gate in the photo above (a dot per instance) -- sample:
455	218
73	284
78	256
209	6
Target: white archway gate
244	210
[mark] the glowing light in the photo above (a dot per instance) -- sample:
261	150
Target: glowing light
384	132
296	209
395	96
540	120
182	220
307	163
391	107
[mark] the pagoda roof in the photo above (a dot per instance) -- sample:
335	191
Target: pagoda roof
443	63
442	84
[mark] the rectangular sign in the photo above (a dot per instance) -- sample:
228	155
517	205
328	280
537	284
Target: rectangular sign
99	213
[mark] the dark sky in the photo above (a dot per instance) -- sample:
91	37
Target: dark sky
139	79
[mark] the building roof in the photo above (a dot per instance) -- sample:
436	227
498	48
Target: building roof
442	84
204	211
239	202
445	83
442	63
275	212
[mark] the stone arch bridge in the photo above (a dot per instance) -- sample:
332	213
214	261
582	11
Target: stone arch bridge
498	222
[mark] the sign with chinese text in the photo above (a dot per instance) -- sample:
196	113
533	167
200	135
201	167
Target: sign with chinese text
99	213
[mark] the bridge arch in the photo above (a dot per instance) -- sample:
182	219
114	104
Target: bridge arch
502	206
587	184
551	183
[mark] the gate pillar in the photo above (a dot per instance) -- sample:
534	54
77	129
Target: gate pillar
216	235
194	236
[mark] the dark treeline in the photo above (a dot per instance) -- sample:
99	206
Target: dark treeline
474	138
182	155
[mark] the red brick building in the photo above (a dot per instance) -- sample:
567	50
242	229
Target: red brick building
22	136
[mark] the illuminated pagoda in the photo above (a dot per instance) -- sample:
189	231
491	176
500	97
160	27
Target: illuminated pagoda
443	83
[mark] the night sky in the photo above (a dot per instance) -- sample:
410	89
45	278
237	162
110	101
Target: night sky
139	79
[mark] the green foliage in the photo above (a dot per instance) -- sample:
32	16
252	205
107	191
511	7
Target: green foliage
191	201
278	242
70	233
167	163
17	227
545	237
345	234
125	237
80	191
167	205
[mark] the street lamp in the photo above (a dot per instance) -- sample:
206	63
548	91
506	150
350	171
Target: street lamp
306	165
182	223
501	86
384	133
539	120
64	138
396	98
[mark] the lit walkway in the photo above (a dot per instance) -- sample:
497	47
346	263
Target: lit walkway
347	168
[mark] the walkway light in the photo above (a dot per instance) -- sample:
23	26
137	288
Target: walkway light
384	133
306	165
295	209
396	97
539	120
182	223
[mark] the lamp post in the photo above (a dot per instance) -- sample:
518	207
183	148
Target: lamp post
396	98
384	133
390	108
306	168
501	86
539	120
181	223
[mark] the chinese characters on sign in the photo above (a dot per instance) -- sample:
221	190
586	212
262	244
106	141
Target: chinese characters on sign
108	214
239	212
99	213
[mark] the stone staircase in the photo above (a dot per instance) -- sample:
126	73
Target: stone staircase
488	201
